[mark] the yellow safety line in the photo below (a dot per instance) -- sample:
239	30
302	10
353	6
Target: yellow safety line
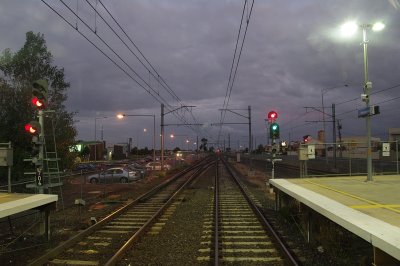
375	206
354	196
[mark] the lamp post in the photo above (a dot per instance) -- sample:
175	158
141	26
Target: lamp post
348	29
95	135
120	116
187	140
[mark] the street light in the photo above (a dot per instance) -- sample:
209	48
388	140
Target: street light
187	141
348	29
121	116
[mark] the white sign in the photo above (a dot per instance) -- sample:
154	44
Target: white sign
311	151
6	156
303	156
385	149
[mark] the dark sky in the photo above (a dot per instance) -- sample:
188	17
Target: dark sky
293	53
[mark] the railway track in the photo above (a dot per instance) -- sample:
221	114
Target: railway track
241	235
106	242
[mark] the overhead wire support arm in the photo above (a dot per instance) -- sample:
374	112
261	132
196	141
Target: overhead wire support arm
183	106
233	123
236	113
183	125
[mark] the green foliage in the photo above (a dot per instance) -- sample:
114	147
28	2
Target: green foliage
260	149
176	150
203	145
32	62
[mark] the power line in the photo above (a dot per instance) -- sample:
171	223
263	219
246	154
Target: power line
137	48
164	84
375	92
231	79
151	90
115	53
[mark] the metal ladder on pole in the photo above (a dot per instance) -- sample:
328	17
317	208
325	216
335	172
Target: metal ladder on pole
52	174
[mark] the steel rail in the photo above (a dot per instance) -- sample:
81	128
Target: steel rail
216	216
288	255
75	239
120	253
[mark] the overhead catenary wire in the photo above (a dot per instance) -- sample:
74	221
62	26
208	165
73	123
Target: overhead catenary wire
149	89
115	53
165	85
158	77
232	74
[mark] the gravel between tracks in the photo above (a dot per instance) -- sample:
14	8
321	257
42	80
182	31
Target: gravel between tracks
174	245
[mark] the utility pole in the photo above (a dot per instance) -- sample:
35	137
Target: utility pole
162	136
163	125
339	126
250	140
334	133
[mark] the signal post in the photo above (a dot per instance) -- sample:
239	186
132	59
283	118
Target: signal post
274	135
35	128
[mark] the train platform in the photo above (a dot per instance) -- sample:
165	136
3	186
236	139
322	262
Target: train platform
369	209
14	203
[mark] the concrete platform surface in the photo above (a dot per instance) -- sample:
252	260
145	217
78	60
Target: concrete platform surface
370	210
12	203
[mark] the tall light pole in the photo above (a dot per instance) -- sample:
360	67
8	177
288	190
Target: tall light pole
348	29
120	116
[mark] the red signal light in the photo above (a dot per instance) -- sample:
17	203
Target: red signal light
272	116
33	128
37	103
306	138
30	129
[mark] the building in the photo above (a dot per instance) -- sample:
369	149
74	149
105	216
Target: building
394	134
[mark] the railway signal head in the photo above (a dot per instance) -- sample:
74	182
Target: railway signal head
272	116
40	94
33	128
306	138
274	131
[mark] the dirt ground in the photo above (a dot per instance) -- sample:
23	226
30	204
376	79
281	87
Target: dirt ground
19	241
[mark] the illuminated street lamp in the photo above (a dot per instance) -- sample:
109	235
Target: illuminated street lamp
349	29
120	116
187	140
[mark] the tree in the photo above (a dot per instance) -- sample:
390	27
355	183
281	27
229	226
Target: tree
260	149
33	61
203	145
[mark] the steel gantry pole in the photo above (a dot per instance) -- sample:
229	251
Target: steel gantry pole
250	140
162	136
367	88
162	124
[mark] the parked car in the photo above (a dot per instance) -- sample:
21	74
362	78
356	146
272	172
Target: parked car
157	166
115	174
138	167
84	167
